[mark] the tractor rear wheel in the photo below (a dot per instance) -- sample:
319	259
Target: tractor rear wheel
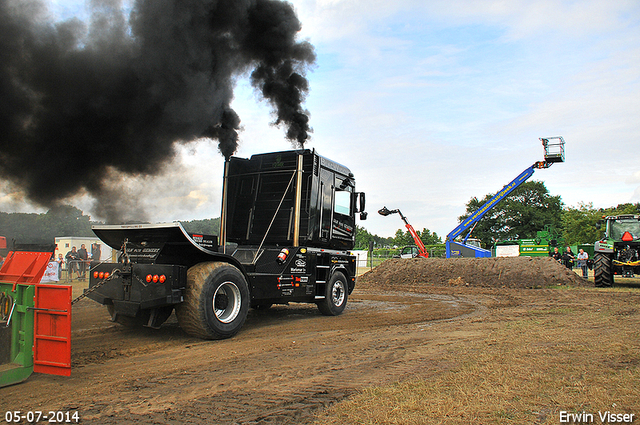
602	269
216	301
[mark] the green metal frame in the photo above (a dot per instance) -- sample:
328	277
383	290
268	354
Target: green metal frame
20	365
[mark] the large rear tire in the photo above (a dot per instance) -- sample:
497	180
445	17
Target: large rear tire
335	295
602	269
216	301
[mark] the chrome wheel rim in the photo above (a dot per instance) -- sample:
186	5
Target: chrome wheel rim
337	293
226	302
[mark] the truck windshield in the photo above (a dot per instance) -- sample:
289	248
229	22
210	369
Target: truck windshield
474	242
619	227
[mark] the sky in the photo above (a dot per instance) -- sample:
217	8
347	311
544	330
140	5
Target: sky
431	103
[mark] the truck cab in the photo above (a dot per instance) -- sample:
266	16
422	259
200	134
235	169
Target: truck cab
269	203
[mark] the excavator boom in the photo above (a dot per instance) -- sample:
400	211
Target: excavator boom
423	251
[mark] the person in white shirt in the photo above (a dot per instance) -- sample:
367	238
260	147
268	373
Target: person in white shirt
582	262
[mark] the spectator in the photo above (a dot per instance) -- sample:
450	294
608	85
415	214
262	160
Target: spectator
556	255
582	263
60	262
72	258
84	256
568	257
96	252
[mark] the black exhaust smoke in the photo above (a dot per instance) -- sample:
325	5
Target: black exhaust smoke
80	102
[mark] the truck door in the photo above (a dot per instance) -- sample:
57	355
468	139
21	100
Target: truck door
342	218
326	204
343	221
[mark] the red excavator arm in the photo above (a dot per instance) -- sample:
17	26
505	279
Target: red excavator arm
423	251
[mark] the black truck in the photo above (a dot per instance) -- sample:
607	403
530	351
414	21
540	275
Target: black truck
287	225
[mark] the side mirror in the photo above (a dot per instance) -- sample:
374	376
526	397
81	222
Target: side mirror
359	201
598	225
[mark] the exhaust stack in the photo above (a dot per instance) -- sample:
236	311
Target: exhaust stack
223	213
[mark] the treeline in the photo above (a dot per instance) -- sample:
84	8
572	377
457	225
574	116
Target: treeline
67	220
528	209
579	224
521	215
401	238
44	228
209	226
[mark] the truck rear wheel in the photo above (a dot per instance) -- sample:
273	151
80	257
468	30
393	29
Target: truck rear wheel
335	295
216	301
602	269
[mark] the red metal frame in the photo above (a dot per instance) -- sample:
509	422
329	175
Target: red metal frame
52	333
24	267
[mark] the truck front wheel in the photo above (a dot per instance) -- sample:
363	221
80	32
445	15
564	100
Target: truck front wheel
602	269
335	295
216	301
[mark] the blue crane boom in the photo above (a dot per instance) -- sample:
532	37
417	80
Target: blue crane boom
476	216
554	152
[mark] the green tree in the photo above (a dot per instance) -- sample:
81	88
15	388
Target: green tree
623	209
16	226
402	238
363	237
579	224
64	220
429	238
208	226
520	215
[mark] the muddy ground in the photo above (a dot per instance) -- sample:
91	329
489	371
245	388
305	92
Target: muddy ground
289	363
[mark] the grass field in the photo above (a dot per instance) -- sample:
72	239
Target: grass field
562	350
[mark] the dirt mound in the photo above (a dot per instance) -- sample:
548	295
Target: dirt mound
501	272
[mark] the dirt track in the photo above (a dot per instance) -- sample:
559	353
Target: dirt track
286	364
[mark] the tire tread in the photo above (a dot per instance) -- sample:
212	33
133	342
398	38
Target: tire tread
602	270
326	306
191	312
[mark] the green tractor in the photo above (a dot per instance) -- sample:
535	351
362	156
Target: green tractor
617	253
